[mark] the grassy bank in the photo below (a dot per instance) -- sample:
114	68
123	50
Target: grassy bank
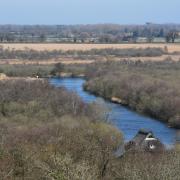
151	88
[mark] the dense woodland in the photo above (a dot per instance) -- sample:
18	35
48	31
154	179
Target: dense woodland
100	33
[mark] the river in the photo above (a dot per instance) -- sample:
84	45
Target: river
126	120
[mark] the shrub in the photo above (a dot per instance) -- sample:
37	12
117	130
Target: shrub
47	133
151	88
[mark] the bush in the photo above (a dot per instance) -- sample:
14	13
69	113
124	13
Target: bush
151	88
29	54
47	133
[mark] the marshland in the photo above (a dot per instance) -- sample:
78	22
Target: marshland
89	90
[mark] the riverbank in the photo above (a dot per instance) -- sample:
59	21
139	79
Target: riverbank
142	86
123	103
127	121
130	122
50	130
148	88
4	77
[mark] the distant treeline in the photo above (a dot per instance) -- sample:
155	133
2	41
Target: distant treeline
100	33
31	54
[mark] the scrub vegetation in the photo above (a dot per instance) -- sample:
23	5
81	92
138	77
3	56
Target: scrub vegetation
152	88
49	133
30	54
21	70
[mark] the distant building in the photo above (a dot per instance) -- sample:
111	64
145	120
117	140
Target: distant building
144	141
142	40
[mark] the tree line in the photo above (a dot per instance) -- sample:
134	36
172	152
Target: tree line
100	33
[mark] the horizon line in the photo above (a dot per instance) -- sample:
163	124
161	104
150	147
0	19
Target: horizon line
88	24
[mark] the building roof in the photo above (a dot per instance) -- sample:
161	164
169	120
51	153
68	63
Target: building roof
144	140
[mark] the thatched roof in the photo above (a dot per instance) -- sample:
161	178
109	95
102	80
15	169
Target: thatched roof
145	141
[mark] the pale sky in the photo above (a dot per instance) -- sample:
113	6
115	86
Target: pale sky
89	11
